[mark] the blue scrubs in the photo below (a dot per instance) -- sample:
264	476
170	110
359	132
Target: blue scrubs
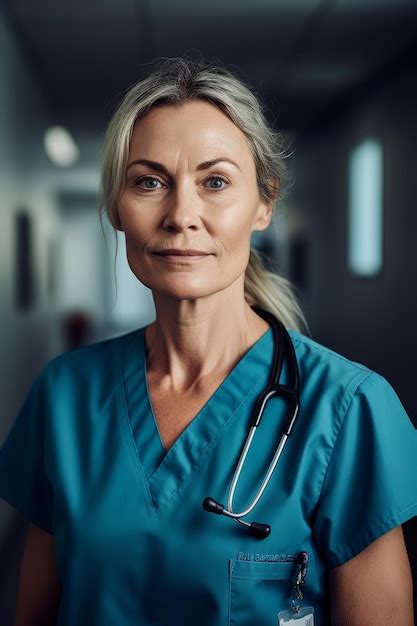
85	462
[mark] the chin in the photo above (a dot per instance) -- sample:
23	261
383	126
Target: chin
182	288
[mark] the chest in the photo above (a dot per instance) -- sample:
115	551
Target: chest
173	412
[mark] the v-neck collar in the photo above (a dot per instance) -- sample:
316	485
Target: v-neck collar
167	472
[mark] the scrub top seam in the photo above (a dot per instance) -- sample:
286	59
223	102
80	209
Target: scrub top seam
192	427
311	343
361	539
145	376
297	339
229	596
350	395
131	445
163	503
187	477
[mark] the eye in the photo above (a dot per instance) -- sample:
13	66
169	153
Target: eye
153	182
217	178
151	179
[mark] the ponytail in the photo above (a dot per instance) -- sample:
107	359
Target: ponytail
273	293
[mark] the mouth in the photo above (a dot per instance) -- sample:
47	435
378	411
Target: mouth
182	258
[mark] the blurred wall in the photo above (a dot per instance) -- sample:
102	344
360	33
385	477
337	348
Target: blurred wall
24	171
368	319
65	238
26	332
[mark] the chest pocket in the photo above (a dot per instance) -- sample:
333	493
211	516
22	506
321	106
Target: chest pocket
259	590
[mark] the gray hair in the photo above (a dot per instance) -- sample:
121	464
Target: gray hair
176	81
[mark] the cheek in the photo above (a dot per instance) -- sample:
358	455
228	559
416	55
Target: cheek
129	219
234	230
137	227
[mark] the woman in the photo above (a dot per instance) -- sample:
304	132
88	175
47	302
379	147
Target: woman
118	443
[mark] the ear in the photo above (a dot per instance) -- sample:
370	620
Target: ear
263	216
265	210
116	222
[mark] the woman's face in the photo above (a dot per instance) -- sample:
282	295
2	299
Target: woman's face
175	198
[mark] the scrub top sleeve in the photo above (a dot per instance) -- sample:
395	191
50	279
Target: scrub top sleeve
23	480
370	484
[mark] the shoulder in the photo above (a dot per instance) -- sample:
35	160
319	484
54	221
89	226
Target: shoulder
95	361
332	378
312	354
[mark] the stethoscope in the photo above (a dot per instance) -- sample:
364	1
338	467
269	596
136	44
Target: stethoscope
283	344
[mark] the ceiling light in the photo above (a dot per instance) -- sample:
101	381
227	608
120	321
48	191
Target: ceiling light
60	146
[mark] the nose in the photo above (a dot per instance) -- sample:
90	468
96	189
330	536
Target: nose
182	209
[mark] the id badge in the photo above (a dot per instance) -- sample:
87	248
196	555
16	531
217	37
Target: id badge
304	617
298	615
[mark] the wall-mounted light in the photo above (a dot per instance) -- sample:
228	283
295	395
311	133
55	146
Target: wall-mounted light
60	146
365	227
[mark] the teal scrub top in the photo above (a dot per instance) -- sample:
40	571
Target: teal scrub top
84	461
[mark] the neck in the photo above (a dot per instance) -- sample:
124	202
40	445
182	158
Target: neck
192	341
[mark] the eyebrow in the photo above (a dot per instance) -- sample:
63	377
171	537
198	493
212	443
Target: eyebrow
161	168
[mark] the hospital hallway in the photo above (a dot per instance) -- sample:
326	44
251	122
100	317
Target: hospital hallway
338	78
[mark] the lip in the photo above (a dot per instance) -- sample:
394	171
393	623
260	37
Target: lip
182	258
179	252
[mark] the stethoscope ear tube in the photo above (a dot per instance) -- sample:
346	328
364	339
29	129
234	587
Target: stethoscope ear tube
283	343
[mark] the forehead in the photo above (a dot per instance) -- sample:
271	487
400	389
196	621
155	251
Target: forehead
196	125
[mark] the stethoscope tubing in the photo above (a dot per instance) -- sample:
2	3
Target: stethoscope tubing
283	344
229	511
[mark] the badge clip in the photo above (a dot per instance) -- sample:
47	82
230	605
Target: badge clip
297	615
